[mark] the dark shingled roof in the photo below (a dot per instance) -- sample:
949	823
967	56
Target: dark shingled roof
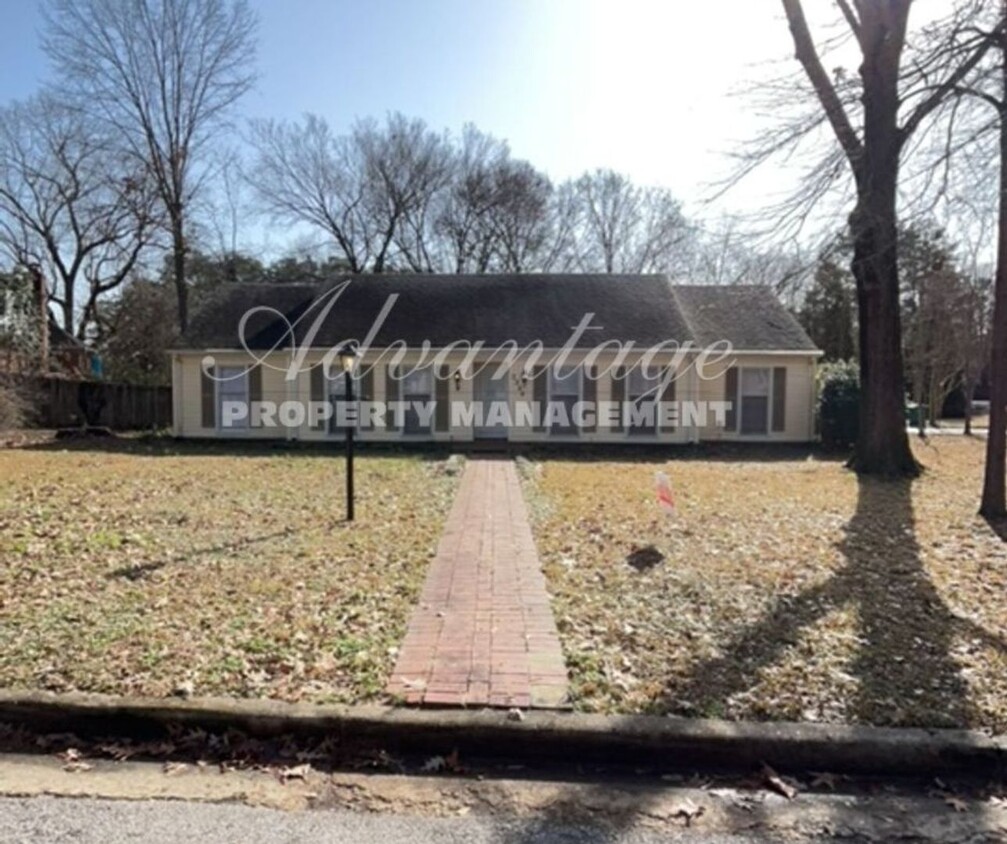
442	309
750	316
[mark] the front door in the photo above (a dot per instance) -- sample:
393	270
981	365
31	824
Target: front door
490	393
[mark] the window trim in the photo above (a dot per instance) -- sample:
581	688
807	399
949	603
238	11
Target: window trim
576	432
636	433
218	382
429	396
769	403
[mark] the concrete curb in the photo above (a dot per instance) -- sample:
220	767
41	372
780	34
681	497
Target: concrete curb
551	736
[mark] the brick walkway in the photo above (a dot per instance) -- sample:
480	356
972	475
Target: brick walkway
483	632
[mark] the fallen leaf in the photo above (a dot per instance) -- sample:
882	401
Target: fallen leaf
688	810
297	772
775	782
956	803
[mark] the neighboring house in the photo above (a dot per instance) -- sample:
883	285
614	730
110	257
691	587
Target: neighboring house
768	380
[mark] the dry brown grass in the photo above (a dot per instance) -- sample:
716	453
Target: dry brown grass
141	569
783	589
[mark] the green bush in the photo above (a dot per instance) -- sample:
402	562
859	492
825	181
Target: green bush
839	404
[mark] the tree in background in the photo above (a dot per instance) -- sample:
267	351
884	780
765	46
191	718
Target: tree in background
623	228
371	191
937	315
975	307
141	328
70	206
163	75
396	196
828	312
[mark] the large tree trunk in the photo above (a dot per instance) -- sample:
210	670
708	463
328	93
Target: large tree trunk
882	445
994	500
178	266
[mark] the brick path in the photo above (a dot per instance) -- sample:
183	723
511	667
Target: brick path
483	632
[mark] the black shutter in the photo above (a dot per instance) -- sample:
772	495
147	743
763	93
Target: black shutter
318	392
779	398
667	397
391	395
540	396
619	396
590	398
208	397
254	395
366	395
442	397
731	397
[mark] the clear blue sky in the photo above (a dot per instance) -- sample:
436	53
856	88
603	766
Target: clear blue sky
637	85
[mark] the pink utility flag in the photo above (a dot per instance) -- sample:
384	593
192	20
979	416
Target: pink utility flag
665	496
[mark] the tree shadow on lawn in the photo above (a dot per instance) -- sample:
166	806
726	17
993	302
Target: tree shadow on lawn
906	673
140	571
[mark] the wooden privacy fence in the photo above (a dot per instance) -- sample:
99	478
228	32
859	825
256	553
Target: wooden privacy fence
63	403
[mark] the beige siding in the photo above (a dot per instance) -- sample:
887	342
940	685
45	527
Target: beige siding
689	387
800	398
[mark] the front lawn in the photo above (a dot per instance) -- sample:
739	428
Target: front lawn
783	589
154	569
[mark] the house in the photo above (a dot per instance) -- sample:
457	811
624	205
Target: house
518	358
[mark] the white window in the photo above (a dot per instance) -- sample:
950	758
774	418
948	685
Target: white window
232	386
754	386
643	385
417	389
564	393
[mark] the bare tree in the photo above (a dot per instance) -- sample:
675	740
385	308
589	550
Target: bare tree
624	228
462	229
894	102
164	74
519	219
302	173
365	189
724	253
70	207
405	165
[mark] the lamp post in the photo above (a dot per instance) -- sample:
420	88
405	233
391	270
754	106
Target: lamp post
348	360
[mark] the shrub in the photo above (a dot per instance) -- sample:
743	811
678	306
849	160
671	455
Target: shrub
15	407
839	404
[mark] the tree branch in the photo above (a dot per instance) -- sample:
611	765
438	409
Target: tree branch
807	55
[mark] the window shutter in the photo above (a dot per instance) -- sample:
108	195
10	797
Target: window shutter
391	395
366	386
590	397
667	396
540	396
619	396
442	397
779	398
731	397
335	392
317	392
208	397
254	395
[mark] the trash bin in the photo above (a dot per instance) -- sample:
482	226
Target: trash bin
916	414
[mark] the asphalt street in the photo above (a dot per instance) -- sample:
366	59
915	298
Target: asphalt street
96	821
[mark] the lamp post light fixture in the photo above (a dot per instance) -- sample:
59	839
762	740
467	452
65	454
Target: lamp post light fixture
348	360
